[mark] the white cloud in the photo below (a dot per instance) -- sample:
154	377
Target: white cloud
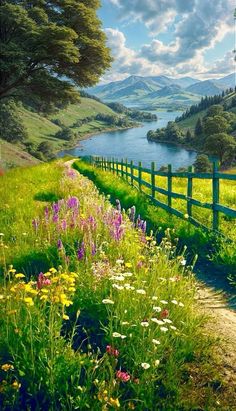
157	58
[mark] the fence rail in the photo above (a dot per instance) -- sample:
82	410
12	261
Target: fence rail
134	173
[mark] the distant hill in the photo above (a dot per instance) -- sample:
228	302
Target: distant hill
160	91
205	88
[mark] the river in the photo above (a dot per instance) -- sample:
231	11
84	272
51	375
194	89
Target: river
133	145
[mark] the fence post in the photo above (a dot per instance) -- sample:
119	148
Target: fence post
139	175
113	165
169	180
132	173
126	168
189	192
105	164
122	167
117	169
215	196
109	162
153	179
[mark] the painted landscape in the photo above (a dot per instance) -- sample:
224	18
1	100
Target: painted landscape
117	205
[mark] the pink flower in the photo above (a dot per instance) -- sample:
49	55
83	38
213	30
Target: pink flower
42	281
122	376
112	351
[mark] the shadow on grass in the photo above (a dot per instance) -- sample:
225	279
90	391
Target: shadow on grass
47	196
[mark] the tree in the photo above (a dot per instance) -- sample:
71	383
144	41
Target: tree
198	128
215	125
46	149
202	164
189	136
215	110
49	46
220	145
173	132
11	127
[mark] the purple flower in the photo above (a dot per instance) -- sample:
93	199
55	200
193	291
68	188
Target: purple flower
56	208
73	202
46	213
71	173
81	251
144	226
94	249
132	213
55	218
59	245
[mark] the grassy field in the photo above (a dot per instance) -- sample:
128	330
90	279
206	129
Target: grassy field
94	313
209	247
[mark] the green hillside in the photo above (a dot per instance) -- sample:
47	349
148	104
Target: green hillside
42	128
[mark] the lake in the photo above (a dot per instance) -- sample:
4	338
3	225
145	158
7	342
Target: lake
133	145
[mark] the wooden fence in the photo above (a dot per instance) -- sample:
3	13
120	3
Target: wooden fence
133	174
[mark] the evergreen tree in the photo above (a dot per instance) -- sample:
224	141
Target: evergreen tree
198	128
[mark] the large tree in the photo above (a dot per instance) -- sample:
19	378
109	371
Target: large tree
47	46
221	145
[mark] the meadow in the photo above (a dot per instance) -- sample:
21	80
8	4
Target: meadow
216	249
95	314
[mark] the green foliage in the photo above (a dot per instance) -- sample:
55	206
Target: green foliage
221	145
11	127
215	125
171	133
215	110
42	43
65	134
202	164
46	149
198	128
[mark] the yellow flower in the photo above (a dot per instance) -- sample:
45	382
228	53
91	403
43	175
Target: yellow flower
28	301
52	270
55	299
47	274
72	289
128	265
44	297
16	385
44	290
114	402
65	317
19	275
7	367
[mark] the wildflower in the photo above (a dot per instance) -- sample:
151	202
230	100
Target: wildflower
93	249
125	323
174	302
122	376
42	281
65	317
157	309
144	324
128	265
156	342
155	320
167	320
112	351
183	262
141	291
173	327
116	335
81	251
145	365
19	275
164	329
118	287
7	367
59	245
73	202
119	262
114	402
181	304
16	385
163	302
164	313
29	301
63	225
131	405
156	363
107	301
1	235
154	298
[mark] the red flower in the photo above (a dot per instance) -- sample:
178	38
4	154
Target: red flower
122	376
164	313
112	351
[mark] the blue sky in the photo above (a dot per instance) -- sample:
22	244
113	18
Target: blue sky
169	37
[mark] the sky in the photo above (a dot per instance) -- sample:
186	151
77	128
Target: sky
176	38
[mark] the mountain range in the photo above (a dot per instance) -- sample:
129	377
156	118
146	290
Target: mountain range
161	91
